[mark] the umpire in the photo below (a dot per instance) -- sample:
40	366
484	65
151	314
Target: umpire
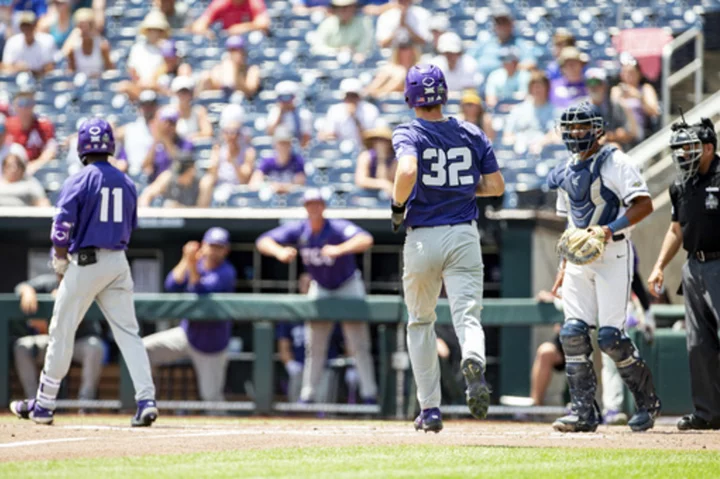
695	197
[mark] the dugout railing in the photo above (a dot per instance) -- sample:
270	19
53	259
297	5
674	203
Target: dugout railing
666	356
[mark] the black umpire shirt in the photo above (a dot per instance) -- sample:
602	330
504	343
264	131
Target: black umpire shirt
45	284
696	206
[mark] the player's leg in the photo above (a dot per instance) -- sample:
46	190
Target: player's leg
422	282
89	352
75	295
357	339
612	281
27	351
612	393
166	347
580	308
210	370
317	336
463	277
116	303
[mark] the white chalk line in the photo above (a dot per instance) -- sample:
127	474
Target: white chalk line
42	441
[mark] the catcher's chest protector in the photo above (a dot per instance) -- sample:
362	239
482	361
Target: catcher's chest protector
590	202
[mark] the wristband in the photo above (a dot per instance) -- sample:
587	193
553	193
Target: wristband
397	207
60	234
619	224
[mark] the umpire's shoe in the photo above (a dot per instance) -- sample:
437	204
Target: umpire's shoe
573	422
478	392
694	422
429	420
29	409
147	413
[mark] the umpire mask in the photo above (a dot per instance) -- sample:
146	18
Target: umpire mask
687	150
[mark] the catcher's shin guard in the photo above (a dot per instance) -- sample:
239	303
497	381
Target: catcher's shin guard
634	373
575	339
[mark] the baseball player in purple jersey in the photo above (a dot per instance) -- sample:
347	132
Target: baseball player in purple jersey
328	248
443	164
96	214
203	269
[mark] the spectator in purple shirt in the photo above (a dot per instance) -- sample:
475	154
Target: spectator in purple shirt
570	87
282	171
203	269
327	248
167	145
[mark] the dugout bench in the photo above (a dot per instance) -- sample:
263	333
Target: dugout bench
667	357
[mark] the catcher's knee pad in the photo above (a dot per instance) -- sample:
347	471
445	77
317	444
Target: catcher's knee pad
575	340
615	344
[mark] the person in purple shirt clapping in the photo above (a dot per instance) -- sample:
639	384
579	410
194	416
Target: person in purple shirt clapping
203	269
327	248
284	169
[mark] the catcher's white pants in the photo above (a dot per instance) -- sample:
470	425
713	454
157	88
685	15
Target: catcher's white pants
357	342
598	293
449	254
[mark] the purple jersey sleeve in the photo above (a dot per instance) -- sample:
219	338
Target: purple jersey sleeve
267	164
348	229
172	286
69	201
287	234
221	280
403	142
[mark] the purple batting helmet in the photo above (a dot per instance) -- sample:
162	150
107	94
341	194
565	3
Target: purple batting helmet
95	136
425	86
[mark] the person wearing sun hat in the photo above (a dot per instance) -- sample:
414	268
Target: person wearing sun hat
350	118
473	110
193	122
570	86
376	164
145	56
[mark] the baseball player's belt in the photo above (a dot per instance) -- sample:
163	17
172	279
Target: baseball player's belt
704	256
469	222
86	256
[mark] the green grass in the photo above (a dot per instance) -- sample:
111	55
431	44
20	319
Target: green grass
388	462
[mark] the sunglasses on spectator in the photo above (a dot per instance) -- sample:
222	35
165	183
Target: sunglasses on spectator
231	131
594	82
286	98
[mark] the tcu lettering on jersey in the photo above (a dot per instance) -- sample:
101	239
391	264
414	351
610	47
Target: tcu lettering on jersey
313	257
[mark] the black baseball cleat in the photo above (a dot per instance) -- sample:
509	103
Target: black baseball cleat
429	420
692	422
644	418
573	422
478	392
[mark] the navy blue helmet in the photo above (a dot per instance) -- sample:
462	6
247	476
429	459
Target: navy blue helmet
581	126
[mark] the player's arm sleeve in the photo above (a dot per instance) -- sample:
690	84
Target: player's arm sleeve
218	281
349	230
66	215
172	286
488	161
403	143
673	203
286	234
626	179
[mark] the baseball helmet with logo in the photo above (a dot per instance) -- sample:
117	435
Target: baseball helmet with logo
425	86
95	136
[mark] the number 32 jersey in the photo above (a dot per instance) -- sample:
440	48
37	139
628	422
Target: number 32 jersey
451	155
100	202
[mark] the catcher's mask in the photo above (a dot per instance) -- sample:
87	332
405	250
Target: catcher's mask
687	143
581	126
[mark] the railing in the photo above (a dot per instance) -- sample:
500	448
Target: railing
694	67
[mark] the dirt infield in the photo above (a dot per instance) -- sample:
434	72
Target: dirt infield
106	436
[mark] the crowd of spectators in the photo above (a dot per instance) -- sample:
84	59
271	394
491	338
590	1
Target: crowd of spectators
503	82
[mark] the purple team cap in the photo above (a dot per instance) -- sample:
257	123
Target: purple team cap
312	194
168	49
425	86
217	236
169	113
235	42
95	136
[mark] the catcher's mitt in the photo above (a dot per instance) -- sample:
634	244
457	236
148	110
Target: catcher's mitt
582	245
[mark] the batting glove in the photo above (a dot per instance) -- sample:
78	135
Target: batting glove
398	216
60	265
293	368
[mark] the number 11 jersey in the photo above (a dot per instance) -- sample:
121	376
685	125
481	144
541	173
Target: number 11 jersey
451	155
100	202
